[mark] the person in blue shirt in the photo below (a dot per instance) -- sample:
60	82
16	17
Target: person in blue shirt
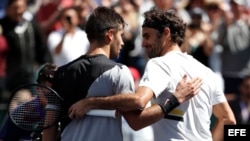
11	132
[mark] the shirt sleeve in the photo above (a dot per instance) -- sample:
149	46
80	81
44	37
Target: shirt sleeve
124	83
218	96
155	77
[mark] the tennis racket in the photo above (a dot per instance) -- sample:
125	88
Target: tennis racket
35	107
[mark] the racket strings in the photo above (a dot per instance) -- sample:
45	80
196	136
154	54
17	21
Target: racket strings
31	105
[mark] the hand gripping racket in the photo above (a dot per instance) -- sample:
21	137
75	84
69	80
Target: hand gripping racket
36	107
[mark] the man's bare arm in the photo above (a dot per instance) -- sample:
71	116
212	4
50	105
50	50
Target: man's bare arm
133	101
139	119
224	116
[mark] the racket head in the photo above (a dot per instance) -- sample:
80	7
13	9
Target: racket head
34	107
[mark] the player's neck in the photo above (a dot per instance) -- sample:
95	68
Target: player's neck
95	49
172	47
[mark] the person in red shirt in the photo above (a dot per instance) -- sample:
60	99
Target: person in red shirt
3	53
49	13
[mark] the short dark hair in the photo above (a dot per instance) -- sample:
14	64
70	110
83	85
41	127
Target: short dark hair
10	2
160	19
69	8
46	73
100	21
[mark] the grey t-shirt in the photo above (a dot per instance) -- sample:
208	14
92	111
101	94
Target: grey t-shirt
116	80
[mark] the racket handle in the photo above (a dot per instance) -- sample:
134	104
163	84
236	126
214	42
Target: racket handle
104	113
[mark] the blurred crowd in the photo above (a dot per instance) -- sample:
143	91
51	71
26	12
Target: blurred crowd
33	32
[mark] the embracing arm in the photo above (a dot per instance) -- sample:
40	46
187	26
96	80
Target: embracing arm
133	101
139	119
120	102
50	134
123	102
224	116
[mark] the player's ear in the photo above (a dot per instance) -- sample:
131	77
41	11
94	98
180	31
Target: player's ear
167	32
110	34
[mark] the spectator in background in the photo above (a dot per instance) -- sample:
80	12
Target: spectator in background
241	105
191	4
214	10
34	6
11	132
164	4
234	36
3	53
198	42
68	42
26	48
84	7
136	76
49	13
178	6
131	54
106	3
2	7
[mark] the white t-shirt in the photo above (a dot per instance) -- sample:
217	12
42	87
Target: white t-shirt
73	46
162	75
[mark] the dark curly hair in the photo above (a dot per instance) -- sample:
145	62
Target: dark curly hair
160	19
46	73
